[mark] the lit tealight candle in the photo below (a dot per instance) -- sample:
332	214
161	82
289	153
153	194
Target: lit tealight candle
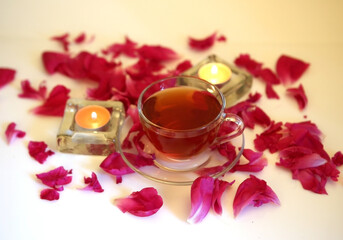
92	117
215	73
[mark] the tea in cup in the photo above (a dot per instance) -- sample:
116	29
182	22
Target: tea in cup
181	116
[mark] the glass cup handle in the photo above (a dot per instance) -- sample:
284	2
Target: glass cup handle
230	117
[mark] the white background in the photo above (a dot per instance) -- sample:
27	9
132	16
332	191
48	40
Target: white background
309	30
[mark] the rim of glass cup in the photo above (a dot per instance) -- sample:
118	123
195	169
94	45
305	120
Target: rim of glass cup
218	117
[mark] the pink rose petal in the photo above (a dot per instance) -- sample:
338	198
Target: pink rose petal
256	162
206	192
93	183
54	105
6	76
56	178
29	92
38	151
12	133
202	44
115	165
201	198
253	191
143	203
290	69
299	95
49	194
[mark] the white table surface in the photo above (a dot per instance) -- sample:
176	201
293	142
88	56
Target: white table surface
309	30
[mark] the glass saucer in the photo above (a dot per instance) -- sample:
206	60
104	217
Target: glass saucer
175	174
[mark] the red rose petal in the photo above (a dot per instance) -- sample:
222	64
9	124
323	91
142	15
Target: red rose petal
290	69
6	76
157	53
37	150
337	159
56	178
63	39
299	95
54	105
93	183
219	188
268	76
250	114
129	48
80	38
270	92
251	65
29	92
53	60
49	194
253	191
12	133
202	44
181	67
143	203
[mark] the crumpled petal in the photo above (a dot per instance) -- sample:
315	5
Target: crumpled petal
38	151
299	95
256	162
93	183
250	113
49	194
115	165
206	192
54	105
290	69
143	203
202	44
253	191
12	133
56	178
269	138
29	92
6	76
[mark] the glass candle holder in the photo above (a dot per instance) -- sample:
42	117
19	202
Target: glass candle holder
94	134
233	82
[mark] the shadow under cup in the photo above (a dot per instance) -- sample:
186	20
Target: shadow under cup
181	117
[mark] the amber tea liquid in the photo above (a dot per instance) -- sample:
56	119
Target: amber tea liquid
179	109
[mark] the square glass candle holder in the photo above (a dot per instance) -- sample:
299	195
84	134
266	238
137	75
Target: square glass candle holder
72	138
233	88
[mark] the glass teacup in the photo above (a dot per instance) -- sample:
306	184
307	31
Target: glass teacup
181	117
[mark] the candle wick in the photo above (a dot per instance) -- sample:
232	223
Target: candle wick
94	115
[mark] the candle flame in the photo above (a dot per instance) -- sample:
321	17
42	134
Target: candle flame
214	69
94	115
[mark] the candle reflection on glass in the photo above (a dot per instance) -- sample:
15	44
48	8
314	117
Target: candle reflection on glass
92	117
215	73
